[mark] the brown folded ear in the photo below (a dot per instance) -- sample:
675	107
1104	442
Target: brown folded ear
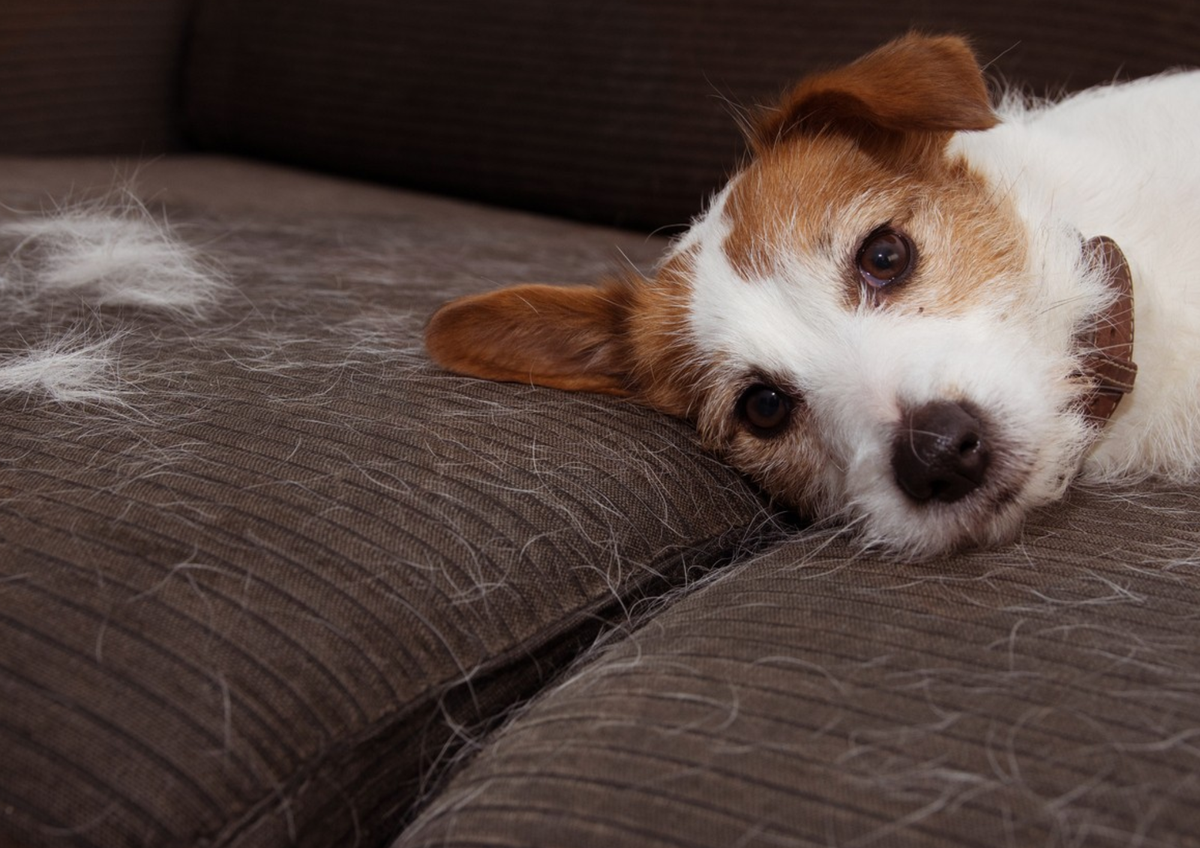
563	337
915	84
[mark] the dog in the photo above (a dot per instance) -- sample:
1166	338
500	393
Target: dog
910	311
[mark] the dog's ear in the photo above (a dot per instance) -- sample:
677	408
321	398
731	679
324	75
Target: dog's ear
564	337
916	85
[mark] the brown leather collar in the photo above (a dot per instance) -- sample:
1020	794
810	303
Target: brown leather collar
1106	349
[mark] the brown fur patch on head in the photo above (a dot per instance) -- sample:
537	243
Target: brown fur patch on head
865	145
824	196
786	200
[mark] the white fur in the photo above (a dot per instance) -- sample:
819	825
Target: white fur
70	369
110	254
1120	161
1123	161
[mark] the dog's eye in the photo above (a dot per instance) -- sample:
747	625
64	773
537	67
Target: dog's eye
885	258
765	409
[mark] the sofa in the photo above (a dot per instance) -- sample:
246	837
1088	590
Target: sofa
269	577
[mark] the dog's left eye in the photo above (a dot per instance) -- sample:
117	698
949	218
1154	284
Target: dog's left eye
765	409
885	258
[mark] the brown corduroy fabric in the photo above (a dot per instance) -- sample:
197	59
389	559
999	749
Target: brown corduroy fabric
86	77
299	567
622	112
1041	695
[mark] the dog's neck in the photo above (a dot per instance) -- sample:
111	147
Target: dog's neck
1107	348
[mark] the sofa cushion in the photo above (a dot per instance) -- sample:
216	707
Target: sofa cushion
1044	694
269	567
623	112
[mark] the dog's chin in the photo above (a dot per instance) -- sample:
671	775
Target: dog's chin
888	521
914	532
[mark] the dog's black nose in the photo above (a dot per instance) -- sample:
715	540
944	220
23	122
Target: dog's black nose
940	452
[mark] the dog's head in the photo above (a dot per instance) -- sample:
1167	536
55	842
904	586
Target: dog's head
860	321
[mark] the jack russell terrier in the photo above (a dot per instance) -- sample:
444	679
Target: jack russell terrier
910	311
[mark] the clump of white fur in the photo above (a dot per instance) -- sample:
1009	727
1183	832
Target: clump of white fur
106	254
110	253
72	368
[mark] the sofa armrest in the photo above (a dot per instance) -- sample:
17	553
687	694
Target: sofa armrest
80	76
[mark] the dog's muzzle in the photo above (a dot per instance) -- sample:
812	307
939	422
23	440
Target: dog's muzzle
943	449
1106	349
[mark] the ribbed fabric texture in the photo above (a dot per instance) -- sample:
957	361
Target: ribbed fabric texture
1041	695
260	603
622	112
86	77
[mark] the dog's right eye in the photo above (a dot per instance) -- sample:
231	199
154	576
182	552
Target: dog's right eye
765	410
885	258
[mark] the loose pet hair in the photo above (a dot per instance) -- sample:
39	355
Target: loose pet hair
911	310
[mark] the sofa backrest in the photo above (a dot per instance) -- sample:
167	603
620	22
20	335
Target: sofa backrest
85	76
622	112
